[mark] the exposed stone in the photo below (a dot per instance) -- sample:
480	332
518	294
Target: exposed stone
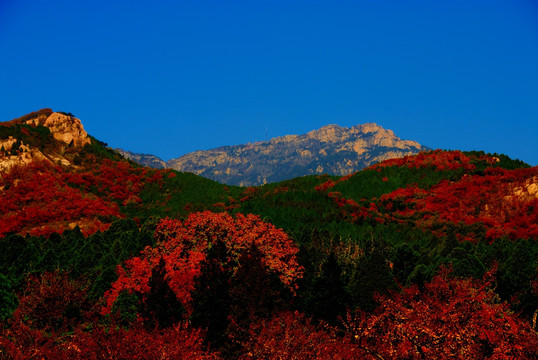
332	149
529	191
66	130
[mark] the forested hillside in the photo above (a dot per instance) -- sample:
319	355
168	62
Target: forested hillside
432	256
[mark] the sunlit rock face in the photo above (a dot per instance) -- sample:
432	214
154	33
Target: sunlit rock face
68	136
332	149
67	129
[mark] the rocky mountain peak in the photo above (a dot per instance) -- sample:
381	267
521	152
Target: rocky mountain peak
331	149
370	128
327	133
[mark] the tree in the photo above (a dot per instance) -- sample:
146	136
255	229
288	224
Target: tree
372	274
451	318
8	300
328	298
255	293
183	245
292	335
52	302
211	295
160	307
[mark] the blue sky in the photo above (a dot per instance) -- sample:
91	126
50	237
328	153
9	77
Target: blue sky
171	77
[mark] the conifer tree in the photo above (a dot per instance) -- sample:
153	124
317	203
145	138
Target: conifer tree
161	308
211	298
328	299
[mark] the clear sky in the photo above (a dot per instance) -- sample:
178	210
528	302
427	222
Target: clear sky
171	77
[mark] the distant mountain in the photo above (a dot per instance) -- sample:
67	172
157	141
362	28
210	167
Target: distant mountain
148	160
332	149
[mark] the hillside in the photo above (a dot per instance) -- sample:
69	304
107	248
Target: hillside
54	176
332	150
433	255
148	160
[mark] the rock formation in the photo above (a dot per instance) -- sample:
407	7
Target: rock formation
331	149
64	132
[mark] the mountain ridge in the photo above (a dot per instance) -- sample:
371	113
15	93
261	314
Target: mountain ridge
331	149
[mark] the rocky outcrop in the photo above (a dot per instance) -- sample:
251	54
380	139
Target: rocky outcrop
331	149
64	127
67	129
24	154
528	191
18	145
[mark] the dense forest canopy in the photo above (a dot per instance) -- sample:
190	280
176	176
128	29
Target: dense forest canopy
426	256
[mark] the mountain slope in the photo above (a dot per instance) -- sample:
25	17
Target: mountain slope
54	176
148	160
331	149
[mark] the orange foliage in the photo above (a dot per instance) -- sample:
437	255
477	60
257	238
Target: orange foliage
504	201
175	343
183	245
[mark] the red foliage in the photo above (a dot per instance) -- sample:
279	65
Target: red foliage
51	302
115	180
177	342
290	335
441	160
19	341
329	184
450	319
36	195
249	193
505	201
42	198
183	247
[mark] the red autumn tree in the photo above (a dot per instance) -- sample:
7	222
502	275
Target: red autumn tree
176	342
50	305
52	302
113	342
40	198
439	159
183	245
36	195
290	335
451	319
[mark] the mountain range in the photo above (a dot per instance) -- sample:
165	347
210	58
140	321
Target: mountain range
332	149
